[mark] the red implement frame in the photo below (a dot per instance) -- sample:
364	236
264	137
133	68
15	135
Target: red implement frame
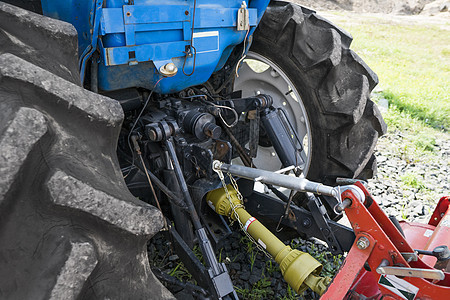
358	277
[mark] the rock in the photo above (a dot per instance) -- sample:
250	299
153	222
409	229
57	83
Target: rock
245	275
173	257
409	7
253	279
235	266
256	271
381	159
419	210
436	7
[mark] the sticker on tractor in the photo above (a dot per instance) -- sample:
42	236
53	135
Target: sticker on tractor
428	233
249	221
399	286
262	244
206	41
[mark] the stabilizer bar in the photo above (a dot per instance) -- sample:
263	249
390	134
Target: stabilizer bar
290	182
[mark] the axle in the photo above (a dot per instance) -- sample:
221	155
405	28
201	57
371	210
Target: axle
299	269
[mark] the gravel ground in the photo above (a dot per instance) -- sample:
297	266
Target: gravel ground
408	185
254	275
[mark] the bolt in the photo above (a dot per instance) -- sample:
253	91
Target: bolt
170	67
306	222
363	243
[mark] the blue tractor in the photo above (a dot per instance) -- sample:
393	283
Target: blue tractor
122	106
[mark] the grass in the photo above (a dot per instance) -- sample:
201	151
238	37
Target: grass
260	290
181	273
413	180
413	65
412	61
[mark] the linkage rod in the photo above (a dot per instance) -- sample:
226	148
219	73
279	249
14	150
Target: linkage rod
290	182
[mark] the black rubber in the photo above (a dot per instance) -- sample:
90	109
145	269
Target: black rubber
69	228
334	84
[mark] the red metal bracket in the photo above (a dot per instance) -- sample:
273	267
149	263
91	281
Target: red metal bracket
367	219
349	270
439	211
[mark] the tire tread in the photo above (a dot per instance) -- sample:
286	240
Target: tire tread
339	84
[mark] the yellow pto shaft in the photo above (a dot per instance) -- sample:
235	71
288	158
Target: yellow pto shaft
299	269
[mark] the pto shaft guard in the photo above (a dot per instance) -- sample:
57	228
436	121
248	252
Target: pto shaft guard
299	269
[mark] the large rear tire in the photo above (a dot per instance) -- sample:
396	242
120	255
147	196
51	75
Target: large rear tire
322	84
69	228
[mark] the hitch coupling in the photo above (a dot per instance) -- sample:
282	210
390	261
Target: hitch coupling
299	269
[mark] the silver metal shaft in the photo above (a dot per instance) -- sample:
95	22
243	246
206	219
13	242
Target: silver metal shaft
412	272
290	182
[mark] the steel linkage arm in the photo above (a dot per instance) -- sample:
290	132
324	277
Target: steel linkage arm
290	182
218	274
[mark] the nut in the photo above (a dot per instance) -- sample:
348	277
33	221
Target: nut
363	243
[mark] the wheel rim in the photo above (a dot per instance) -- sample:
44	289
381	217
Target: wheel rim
259	75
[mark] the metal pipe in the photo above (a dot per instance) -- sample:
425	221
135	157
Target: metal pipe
182	183
205	245
281	138
339	208
290	182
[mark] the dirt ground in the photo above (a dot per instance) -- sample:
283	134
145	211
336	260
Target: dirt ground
399	7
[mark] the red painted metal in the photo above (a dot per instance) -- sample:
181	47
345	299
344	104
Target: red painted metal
368	219
367	286
440	237
417	234
439	211
349	270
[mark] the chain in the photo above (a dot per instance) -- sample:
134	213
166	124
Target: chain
234	207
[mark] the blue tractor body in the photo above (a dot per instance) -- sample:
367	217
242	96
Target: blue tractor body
135	39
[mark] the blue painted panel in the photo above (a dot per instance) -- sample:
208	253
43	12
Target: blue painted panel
78	13
155	14
143	53
136	40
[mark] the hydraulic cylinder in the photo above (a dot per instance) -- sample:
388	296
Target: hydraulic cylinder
299	269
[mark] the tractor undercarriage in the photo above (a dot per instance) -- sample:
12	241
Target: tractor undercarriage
179	141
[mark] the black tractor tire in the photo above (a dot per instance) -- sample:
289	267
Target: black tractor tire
334	85
69	227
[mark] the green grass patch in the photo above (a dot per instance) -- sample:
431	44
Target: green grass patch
425	142
412	62
260	290
413	180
